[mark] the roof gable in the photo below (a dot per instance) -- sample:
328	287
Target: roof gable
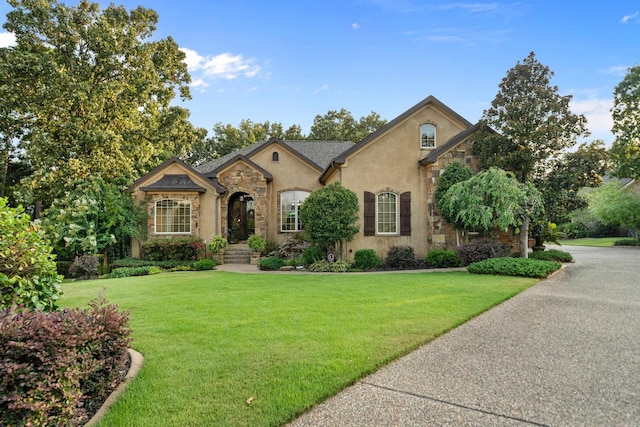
170	182
188	171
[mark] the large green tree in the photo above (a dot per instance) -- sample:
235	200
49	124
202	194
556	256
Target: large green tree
329	215
625	150
91	89
528	124
341	126
492	199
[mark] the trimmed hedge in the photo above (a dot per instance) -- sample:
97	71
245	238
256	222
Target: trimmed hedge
626	242
204	264
441	258
135	262
515	267
58	367
134	271
552	255
271	263
180	249
366	259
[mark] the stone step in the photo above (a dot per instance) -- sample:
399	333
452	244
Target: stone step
237	254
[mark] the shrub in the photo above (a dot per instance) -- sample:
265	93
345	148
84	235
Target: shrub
134	271
514	267
366	259
573	230
401	257
218	243
441	258
320	266
552	255
28	273
58	367
481	249
84	267
180	249
62	267
256	243
340	266
271	263
313	254
204	264
135	262
626	242
269	247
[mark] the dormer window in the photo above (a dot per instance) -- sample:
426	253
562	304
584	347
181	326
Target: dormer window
427	136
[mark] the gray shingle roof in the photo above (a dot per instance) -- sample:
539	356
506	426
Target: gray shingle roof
318	153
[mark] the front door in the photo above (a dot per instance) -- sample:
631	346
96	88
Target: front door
241	217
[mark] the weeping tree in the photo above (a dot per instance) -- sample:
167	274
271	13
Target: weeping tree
492	199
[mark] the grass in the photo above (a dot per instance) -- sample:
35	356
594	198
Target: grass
213	341
599	242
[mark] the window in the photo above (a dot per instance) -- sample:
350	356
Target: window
371	224
173	216
274	156
290	202
427	136
387	213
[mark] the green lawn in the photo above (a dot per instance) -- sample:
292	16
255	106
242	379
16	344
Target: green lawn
214	340
600	242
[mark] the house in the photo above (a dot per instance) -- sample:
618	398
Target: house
259	189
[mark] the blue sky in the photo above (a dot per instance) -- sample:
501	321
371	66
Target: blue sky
287	61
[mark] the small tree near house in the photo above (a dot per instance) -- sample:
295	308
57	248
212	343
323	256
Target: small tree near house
329	215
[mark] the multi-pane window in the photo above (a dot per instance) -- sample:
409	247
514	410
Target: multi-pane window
290	202
173	216
427	136
387	213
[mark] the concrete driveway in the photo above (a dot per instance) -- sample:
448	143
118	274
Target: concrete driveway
565	352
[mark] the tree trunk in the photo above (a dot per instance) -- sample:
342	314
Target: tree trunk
524	237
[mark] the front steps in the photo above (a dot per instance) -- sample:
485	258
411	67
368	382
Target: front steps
237	253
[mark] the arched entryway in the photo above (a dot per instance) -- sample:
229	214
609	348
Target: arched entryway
241	217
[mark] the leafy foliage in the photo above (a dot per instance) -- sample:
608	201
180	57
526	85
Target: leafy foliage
256	243
528	122
218	243
134	271
366	259
92	92
490	199
136	262
91	217
271	263
514	267
454	173
181	249
625	150
329	214
552	255
341	126
441	258
480	249
313	254
626	242
28	273
401	258
204	264
58	366
324	266
612	203
84	267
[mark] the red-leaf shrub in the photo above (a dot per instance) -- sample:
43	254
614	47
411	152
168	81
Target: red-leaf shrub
480	249
180	249
58	367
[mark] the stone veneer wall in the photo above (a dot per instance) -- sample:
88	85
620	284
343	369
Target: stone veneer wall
194	198
240	178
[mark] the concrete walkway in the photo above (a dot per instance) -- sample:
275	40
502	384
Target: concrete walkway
565	352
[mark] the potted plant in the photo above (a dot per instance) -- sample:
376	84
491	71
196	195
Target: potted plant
217	246
257	244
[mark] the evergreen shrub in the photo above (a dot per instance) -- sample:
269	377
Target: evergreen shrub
441	258
552	255
271	263
514	267
366	259
179	249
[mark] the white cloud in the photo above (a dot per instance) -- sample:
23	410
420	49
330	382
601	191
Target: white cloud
627	18
323	88
7	39
355	26
472	7
618	70
223	66
192	59
597	111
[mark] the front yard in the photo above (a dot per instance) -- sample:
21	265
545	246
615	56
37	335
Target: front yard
258	349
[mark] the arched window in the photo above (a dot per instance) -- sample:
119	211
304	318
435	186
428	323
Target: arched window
387	213
172	216
427	136
290	202
275	157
